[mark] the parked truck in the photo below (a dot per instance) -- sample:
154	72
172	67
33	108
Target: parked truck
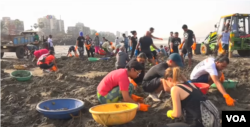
18	43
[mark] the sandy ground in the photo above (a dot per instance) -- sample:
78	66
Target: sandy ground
79	79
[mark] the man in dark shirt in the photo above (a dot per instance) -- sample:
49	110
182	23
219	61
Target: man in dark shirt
145	43
79	44
152	82
174	43
188	42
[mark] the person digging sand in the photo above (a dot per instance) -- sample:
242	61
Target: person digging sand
210	71
187	98
153	82
40	52
47	62
72	48
141	58
121	58
116	87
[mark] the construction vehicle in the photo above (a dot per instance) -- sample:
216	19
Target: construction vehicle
18	43
239	27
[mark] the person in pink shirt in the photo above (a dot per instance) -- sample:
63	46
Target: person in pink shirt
40	52
116	86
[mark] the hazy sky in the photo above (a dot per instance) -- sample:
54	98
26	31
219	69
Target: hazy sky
127	15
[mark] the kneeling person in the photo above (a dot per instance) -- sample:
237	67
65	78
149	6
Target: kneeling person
116	87
47	61
209	71
153	82
72	48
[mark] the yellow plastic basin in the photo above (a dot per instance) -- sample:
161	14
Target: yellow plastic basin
114	113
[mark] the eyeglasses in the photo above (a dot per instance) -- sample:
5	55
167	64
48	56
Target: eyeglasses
138	73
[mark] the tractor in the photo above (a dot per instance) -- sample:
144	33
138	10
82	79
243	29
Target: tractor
239	26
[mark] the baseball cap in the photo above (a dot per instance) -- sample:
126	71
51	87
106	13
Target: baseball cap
177	59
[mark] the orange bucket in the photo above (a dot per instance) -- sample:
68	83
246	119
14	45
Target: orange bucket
204	87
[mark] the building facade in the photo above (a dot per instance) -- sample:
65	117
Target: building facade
12	27
51	25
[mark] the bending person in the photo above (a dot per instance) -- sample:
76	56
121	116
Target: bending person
187	98
210	71
116	87
40	52
72	48
153	82
47	61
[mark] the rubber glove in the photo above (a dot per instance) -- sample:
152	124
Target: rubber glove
222	78
193	46
230	101
137	98
169	114
77	55
180	47
76	47
143	107
171	50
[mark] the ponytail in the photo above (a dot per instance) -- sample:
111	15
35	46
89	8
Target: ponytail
174	73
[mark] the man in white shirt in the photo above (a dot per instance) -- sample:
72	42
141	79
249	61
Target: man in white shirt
209	71
51	46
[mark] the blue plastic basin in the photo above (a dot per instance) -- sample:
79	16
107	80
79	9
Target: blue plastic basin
50	108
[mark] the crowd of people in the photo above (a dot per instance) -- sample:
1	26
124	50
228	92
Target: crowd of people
164	77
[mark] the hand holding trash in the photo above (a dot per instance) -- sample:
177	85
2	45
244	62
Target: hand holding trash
171	50
229	100
169	114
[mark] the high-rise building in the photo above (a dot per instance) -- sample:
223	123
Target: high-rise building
13	27
51	25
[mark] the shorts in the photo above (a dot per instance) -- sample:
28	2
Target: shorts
225	46
152	85
154	54
46	66
148	54
72	48
201	79
186	50
114	95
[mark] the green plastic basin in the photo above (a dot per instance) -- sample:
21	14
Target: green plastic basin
21	75
227	84
93	59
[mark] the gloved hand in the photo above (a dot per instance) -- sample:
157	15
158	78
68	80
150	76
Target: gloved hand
76	47
137	98
171	50
143	107
222	78
193	46
180	47
169	114
230	101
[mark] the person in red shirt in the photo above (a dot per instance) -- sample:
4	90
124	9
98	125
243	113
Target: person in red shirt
40	52
47	61
116	86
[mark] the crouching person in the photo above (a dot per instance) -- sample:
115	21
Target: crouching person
116	87
47	62
187	98
121	58
210	71
153	82
72	48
